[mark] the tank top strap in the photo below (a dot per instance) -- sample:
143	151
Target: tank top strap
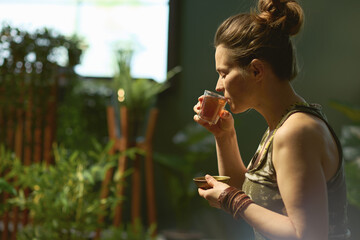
266	142
315	110
297	107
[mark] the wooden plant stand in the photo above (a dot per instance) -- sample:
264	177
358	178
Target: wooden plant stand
121	144
30	133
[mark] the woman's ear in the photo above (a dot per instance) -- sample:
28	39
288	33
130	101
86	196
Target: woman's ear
257	68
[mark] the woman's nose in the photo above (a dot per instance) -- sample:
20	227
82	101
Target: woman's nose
219	86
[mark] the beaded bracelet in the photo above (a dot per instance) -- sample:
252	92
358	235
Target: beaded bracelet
234	201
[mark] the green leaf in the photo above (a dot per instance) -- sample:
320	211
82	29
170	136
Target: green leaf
109	146
89	177
120	176
352	170
351	111
139	94
97	145
6	187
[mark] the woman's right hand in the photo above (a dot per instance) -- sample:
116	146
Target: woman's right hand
224	125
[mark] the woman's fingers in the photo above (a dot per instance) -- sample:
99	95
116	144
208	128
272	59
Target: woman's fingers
197	106
225	123
224	114
210	180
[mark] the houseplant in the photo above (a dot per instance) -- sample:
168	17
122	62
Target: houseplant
138	95
64	202
6	159
33	64
350	140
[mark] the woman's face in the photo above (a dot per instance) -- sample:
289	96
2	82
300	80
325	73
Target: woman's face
234	81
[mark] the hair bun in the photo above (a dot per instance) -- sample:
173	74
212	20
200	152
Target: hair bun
286	15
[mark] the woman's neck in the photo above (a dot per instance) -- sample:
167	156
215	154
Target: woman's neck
276	101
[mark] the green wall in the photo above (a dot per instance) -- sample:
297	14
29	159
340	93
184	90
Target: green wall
328	55
328	58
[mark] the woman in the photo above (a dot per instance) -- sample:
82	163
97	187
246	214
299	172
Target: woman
294	186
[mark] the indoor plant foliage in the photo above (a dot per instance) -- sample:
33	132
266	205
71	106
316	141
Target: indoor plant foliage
137	95
350	140
131	231
6	161
32	65
64	200
83	106
35	57
196	158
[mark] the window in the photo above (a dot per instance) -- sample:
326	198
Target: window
105	25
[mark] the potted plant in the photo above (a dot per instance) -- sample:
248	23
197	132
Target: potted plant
138	95
32	65
64	200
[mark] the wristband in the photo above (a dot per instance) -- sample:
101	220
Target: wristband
234	201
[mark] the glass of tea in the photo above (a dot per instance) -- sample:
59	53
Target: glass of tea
211	107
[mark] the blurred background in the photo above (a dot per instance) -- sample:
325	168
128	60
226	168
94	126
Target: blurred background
96	122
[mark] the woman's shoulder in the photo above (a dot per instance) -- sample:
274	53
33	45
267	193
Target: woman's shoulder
299	143
301	126
303	139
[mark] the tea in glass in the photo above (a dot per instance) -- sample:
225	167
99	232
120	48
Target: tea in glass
211	107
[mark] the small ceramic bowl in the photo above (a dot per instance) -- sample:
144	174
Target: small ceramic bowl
201	182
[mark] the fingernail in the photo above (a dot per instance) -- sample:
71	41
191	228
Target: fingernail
224	114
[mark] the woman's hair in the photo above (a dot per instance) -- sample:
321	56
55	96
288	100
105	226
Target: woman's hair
264	34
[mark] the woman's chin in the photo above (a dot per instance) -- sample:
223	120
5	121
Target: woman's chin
238	110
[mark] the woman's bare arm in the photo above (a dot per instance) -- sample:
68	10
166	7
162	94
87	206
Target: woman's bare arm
229	159
228	154
298	150
297	154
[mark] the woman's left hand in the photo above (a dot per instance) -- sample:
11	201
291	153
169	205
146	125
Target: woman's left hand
212	194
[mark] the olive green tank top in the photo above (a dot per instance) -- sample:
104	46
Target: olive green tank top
261	182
